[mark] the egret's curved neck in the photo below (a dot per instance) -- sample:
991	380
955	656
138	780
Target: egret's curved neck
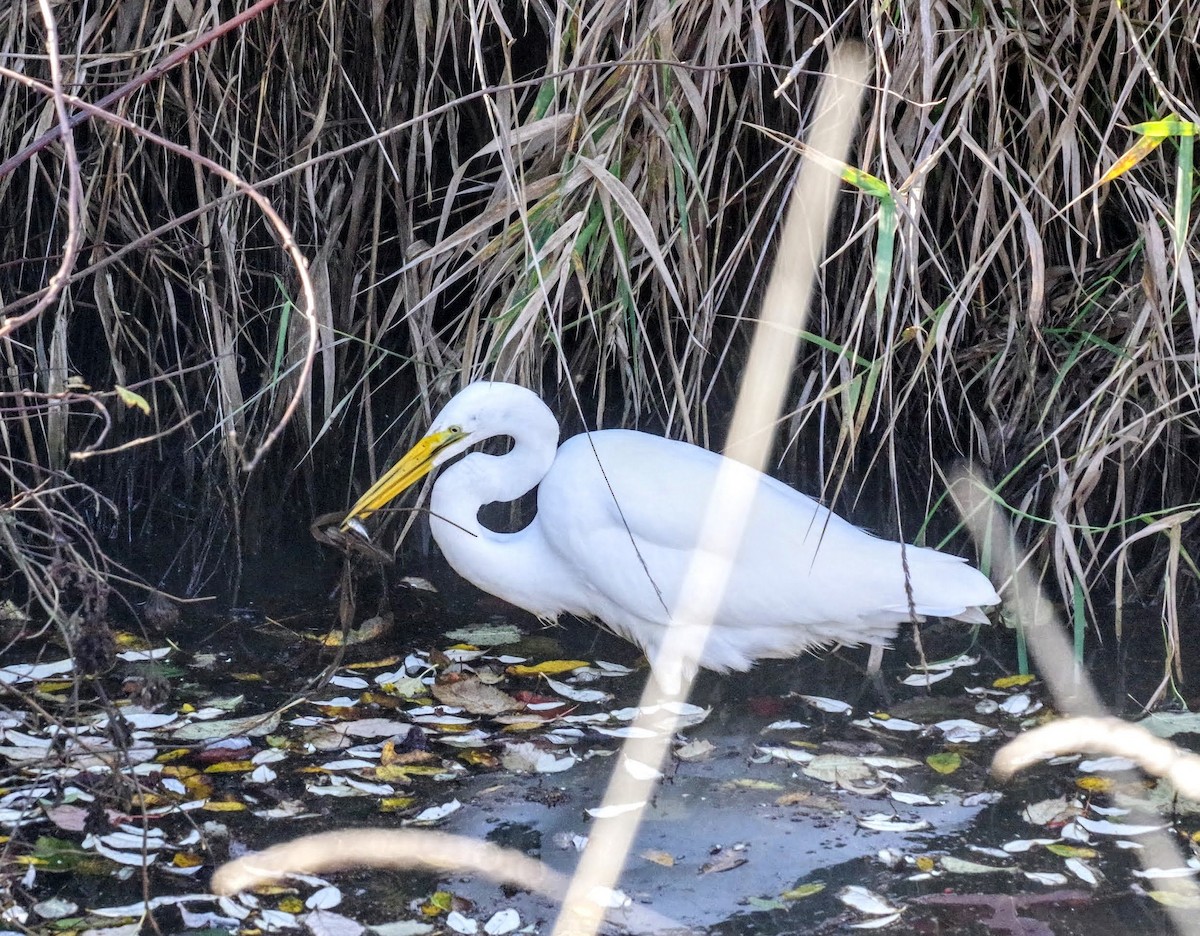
517	567
479	479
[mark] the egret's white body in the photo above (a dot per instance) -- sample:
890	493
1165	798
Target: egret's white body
619	515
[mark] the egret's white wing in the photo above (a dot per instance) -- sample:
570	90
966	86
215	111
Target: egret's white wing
798	563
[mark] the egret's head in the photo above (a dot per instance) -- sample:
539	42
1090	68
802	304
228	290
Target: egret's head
479	411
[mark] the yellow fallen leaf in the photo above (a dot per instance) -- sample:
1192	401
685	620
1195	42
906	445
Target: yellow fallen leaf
666	859
385	663
291	905
405	771
749	783
230	766
1011	682
198	786
548	668
478	758
396	803
224	806
925	863
186	860
1095	784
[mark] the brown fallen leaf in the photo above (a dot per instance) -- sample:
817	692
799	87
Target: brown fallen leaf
812	800
695	750
725	860
474	696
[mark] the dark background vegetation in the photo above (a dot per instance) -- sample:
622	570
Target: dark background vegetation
583	199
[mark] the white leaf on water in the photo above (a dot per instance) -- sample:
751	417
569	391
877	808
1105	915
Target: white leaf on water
883	822
568	691
437	813
1049	878
1105	827
866	901
833	706
608	812
502	921
1082	871
925	680
463	925
325	898
1106	765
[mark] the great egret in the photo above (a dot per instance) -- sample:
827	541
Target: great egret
619	514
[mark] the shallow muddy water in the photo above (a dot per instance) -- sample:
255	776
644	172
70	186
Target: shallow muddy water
753	834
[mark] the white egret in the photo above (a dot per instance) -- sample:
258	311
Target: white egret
614	544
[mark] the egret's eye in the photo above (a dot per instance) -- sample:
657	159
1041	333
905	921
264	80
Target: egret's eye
457	430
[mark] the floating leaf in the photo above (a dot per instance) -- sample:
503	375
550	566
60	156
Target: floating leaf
963	866
370	629
802	891
912	799
487	635
659	857
725	860
1012	682
1106	765
1160	873
526	757
548	668
883	720
1083	871
832	768
944	763
1048	878
476	697
1184	899
502	921
882	822
695	750
1105	827
925	680
833	706
463	925
1063	850
865	901
436	813
608	812
1095	784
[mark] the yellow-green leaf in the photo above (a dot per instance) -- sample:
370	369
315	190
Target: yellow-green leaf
131	399
1169	126
804	890
1071	851
1132	156
866	182
1185	899
945	763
